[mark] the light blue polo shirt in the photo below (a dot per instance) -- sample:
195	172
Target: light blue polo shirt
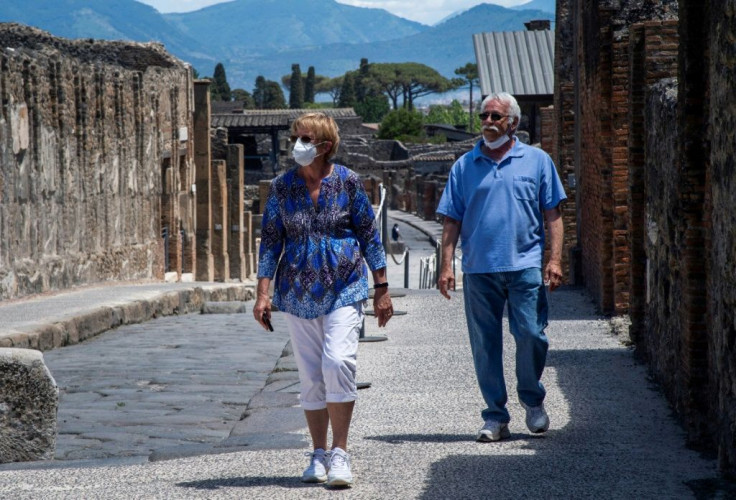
501	207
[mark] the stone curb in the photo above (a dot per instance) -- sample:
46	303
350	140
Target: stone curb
47	336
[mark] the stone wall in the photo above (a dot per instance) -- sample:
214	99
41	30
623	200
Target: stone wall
660	340
95	159
722	235
655	112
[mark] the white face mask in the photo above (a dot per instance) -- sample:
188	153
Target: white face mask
304	154
497	143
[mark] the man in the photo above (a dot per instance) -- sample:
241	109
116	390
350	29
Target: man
395	233
497	199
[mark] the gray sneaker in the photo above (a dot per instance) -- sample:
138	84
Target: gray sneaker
317	470
493	431
536	418
339	471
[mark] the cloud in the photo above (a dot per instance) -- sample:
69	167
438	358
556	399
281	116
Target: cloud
428	11
164	6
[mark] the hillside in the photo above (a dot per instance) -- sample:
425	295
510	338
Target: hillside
444	47
102	20
269	26
265	37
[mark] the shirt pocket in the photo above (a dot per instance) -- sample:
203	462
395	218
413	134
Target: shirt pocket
525	188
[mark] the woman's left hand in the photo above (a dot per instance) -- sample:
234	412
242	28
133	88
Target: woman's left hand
382	306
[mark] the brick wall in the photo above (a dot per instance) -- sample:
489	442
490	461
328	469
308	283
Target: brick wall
564	124
594	39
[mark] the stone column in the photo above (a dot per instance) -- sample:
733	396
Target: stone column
236	196
202	153
220	221
249	237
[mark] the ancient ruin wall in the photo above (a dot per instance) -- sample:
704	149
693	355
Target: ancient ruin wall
593	23
85	127
664	242
601	152
722	298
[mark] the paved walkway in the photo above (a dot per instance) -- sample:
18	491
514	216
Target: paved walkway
159	406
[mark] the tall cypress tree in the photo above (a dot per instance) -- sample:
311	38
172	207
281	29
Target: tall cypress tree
259	93
296	90
361	92
220	89
274	96
309	85
347	92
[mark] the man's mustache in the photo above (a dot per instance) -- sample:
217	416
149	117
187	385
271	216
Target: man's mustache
491	128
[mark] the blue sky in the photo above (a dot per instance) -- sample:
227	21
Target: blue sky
430	12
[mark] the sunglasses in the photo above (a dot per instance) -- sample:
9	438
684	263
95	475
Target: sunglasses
494	116
304	138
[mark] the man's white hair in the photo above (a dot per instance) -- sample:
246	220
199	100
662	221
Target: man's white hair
512	106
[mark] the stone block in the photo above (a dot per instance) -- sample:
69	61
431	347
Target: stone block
29	400
223	308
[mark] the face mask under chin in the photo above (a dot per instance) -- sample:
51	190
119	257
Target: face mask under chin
497	143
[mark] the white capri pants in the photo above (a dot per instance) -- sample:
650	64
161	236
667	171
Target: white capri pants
326	351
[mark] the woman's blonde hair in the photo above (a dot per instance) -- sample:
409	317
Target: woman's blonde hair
322	126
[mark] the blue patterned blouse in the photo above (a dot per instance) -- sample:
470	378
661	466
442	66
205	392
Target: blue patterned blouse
322	267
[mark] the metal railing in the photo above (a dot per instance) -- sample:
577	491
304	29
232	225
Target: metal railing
429	269
382	222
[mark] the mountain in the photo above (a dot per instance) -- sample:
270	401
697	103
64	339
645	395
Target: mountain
257	27
265	37
444	47
545	5
102	20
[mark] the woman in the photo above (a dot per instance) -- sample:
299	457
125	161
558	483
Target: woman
319	215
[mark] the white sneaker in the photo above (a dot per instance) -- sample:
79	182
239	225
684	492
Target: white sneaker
317	470
493	431
339	474
536	418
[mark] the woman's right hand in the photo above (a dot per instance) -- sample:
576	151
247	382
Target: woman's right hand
262	309
263	302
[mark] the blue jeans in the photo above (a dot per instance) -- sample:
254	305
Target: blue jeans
485	296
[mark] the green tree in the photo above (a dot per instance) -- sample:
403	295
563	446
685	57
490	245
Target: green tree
373	108
470	74
245	97
259	92
219	88
330	86
362	80
454	115
296	88
274	96
384	77
309	84
408	81
347	91
402	124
